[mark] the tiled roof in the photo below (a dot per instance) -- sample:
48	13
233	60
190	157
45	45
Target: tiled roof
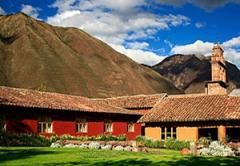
185	108
134	102
37	99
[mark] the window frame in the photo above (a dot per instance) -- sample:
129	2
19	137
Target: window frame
45	125
3	124
132	126
168	132
108	126
81	125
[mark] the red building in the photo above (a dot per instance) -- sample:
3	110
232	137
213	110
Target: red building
29	111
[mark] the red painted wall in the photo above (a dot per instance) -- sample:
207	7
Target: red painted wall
21	126
65	124
137	131
119	128
95	128
63	127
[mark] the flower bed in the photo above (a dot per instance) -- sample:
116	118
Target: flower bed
104	145
13	139
102	137
217	149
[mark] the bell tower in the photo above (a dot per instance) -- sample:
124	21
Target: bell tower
218	84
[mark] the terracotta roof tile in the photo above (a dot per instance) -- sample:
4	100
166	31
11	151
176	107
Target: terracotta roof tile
37	99
185	108
134	102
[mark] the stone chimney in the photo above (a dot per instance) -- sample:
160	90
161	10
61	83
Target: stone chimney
218	84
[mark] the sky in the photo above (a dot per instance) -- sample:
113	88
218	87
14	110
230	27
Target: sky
145	30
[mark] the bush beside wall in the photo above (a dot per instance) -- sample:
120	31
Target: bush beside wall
168	144
13	139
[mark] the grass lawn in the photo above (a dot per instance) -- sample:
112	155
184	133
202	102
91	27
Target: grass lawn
69	157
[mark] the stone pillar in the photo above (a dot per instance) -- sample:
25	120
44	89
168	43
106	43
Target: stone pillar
222	133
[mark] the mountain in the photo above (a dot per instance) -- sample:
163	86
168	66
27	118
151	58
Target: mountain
36	55
188	72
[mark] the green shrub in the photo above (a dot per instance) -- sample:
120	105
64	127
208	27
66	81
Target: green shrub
168	144
176	145
102	137
205	141
159	144
54	138
13	139
140	138
122	137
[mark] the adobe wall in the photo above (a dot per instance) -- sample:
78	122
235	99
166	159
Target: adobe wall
187	133
215	89
153	132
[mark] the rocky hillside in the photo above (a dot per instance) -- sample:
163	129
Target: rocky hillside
188	72
36	55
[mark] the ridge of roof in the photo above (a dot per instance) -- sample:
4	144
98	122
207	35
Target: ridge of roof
187	95
197	108
133	96
51	100
135	101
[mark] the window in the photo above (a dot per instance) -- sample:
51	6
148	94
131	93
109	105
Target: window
168	132
82	126
45	125
163	133
174	132
2	125
233	134
211	133
130	127
108	126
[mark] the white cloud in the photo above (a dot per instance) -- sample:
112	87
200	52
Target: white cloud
204	4
231	49
118	22
168	43
199	25
137	45
232	56
119	5
234	42
2	11
198	47
140	56
64	5
113	28
30	10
